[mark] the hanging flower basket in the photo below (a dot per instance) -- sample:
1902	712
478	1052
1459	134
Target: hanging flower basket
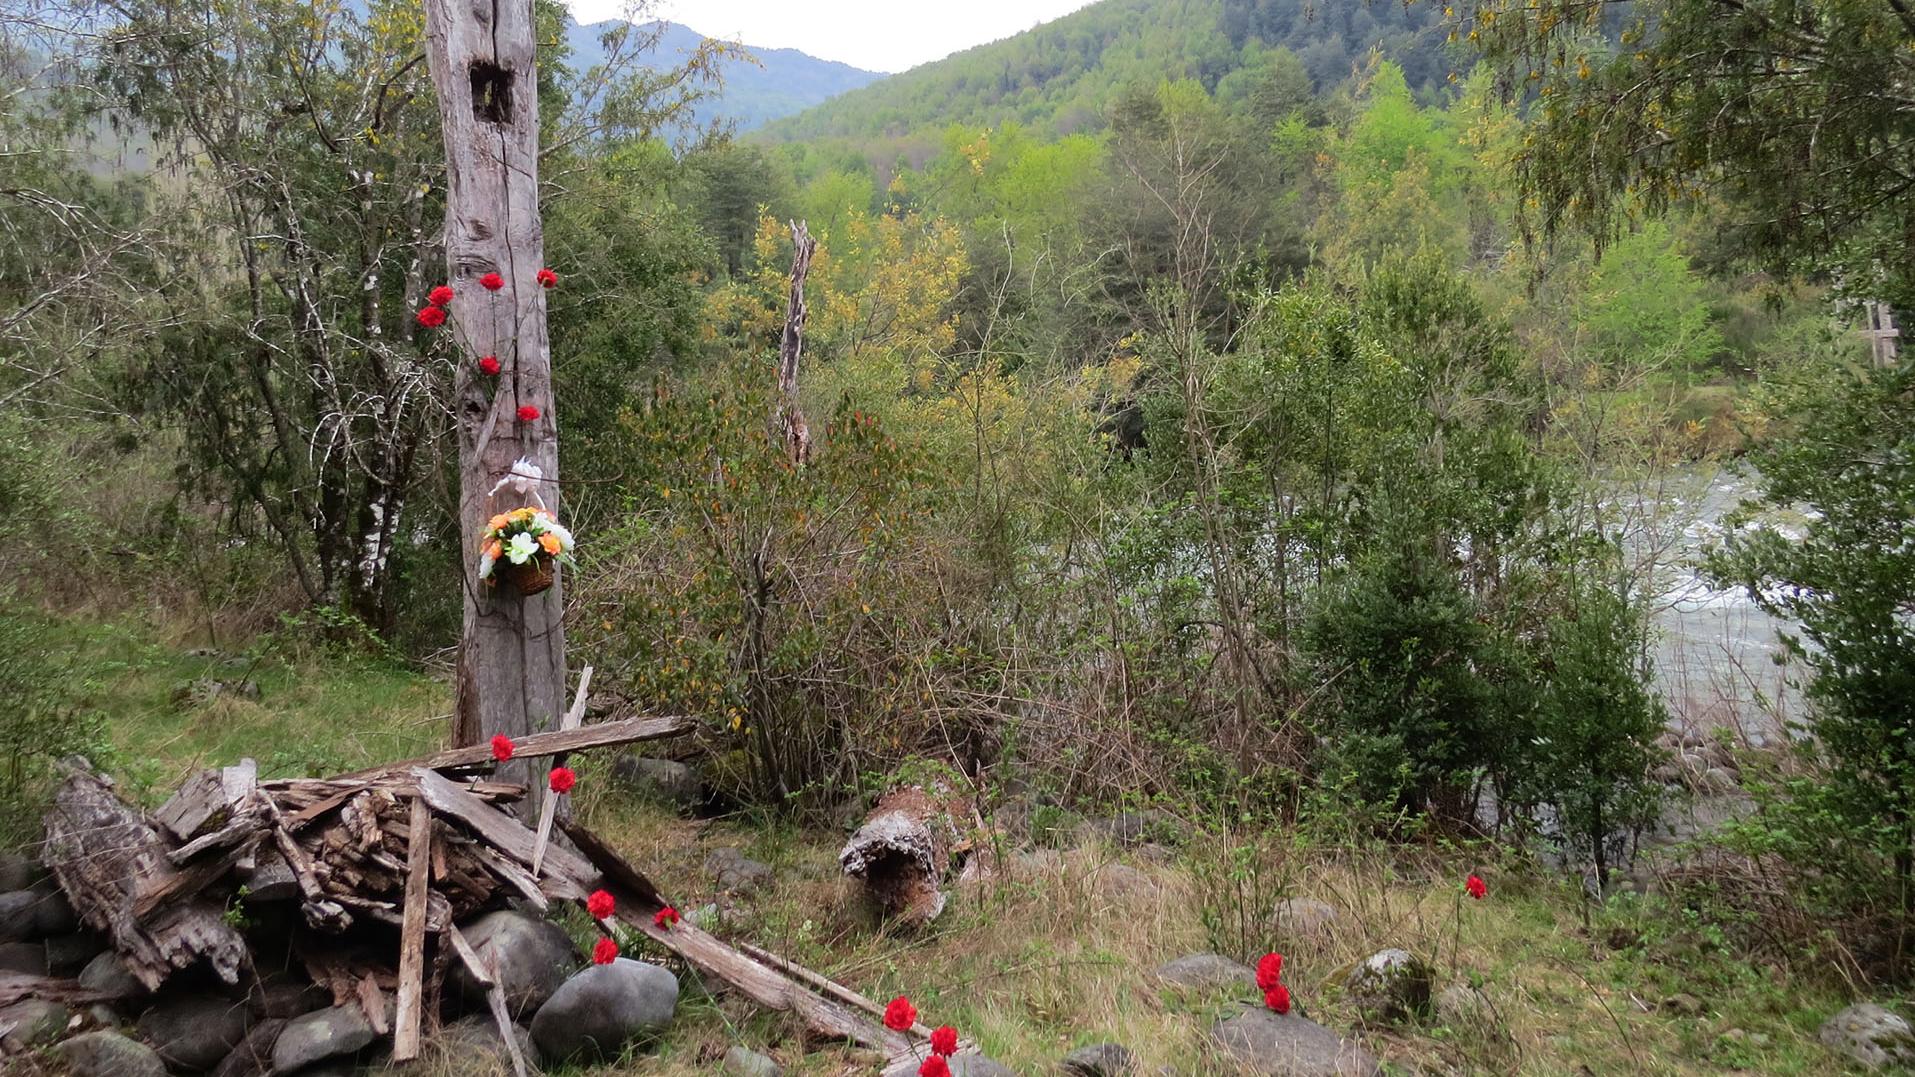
526	546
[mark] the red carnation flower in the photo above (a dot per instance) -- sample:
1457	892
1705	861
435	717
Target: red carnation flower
432	317
489	365
440	296
563	779
900	1014
605	951
665	917
501	747
600	904
528	412
935	1066
944	1041
1476	887
1269	971
492	282
1278	999
547	278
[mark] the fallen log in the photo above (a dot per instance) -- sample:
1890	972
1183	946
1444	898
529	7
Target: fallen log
105	856
903	851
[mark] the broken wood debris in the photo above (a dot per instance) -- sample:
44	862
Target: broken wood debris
379	870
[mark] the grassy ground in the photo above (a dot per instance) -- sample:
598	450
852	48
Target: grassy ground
1053	952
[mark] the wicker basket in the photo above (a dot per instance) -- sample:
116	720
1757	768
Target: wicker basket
532	577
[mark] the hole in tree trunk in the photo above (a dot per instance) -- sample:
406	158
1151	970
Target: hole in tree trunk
491	92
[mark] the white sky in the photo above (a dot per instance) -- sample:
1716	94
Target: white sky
878	35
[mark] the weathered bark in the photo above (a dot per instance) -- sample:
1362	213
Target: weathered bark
790	425
106	857
511	676
903	851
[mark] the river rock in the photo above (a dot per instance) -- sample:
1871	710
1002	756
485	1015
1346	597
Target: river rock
603	1008
105	973
978	1066
1872	1036
662	780
17	871
285	997
1390	985
30	1023
745	1062
1206	972
195	1032
1099	1060
534	957
737	873
1285	1045
26	958
1304	918
106	1053
320	1035
68	954
35	913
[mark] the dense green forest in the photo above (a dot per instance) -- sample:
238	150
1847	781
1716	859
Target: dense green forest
1264	421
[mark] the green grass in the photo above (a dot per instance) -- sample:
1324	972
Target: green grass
1045	956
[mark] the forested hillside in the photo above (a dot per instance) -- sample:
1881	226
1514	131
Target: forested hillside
1060	77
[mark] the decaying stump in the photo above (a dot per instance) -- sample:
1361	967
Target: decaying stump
905	850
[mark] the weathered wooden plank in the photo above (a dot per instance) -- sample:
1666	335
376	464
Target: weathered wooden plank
602	735
412	935
550	809
488	977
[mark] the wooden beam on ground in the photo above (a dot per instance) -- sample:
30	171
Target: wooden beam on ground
412	933
600	735
549	810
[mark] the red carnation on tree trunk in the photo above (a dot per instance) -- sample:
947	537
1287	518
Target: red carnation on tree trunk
489	365
604	952
432	317
944	1041
1278	999
1269	971
563	779
528	412
501	747
600	904
439	296
1477	888
900	1014
548	279
492	282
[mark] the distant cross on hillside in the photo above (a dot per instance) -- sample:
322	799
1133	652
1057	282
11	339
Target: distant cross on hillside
1883	334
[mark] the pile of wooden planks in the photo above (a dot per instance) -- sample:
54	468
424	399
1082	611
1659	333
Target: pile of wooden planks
383	867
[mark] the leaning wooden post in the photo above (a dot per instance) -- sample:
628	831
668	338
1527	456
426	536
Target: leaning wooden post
511	669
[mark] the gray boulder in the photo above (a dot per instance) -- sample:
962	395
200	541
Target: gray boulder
28	958
1304	918
978	1066
105	973
601	1009
661	780
1390	985
737	873
195	1032
534	957
31	1022
1206	972
745	1062
106	1053
286	997
1871	1036
321	1035
68	954
1285	1045
1099	1060
475	1039
17	871
35	913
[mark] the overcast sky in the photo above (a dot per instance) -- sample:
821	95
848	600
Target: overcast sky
878	35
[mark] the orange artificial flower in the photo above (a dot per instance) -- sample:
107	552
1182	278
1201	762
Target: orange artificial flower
498	522
550	542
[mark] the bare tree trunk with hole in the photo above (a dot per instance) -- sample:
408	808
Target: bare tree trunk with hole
790	425
511	676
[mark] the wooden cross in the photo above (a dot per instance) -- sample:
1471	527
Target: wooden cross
1883	334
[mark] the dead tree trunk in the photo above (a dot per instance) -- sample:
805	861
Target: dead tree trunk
790	426
511	675
905	850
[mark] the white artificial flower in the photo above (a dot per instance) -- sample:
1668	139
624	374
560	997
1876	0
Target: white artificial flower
486	561
521	548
